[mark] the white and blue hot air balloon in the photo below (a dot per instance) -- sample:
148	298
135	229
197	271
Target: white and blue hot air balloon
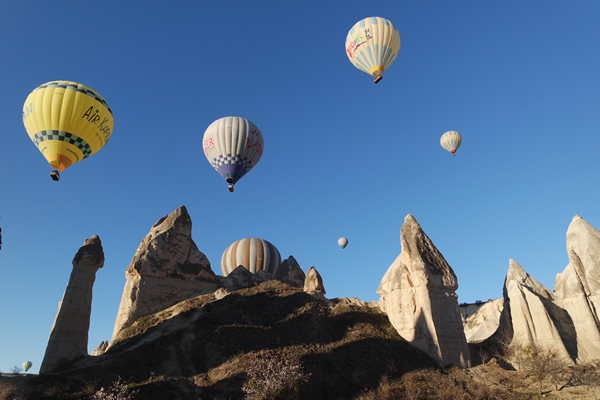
372	45
343	242
233	146
451	141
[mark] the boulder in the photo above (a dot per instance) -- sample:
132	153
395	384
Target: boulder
418	294
69	334
166	269
577	288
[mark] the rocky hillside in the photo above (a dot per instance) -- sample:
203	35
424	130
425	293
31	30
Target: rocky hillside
202	347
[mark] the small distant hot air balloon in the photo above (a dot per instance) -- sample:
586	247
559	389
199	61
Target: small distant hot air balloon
253	253
27	365
372	45
233	146
68	122
451	141
343	242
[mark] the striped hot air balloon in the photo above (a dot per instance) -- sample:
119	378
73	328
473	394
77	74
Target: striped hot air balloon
253	253
68	122
372	45
451	141
233	146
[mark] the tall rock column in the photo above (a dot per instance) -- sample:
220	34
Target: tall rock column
166	269
418	294
577	288
69	335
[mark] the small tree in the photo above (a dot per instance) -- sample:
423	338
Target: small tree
16	369
541	363
271	377
117	391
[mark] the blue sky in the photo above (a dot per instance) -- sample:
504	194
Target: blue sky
343	157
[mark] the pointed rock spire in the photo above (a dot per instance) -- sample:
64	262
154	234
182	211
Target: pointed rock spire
166	269
418	294
577	288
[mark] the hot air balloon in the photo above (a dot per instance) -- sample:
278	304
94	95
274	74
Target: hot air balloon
372	45
451	141
253	253
233	146
68	122
27	365
343	242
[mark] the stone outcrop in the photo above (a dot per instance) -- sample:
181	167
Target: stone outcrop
481	320
313	284
290	272
241	278
577	288
69	335
534	315
166	269
101	348
418	294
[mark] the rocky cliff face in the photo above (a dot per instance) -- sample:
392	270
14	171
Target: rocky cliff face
69	335
166	269
418	295
577	288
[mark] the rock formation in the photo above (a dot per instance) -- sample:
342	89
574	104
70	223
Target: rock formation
534	316
313	284
418	295
484	320
166	269
577	288
69	335
290	272
241	278
101	348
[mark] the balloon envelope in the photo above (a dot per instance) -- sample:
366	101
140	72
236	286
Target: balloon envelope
372	45
253	253
67	121
451	141
233	146
343	242
27	365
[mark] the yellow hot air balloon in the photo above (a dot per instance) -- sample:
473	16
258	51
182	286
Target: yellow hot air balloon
372	45
68	122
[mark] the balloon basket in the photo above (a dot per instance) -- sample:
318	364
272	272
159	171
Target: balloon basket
378	78
230	187
55	175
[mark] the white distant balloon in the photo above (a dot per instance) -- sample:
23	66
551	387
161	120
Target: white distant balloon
451	141
343	242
